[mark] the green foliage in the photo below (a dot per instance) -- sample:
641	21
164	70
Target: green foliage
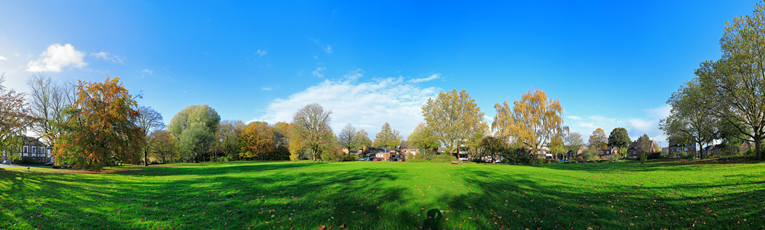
410	156
588	155
195	141
643	157
619	138
387	137
443	158
186	195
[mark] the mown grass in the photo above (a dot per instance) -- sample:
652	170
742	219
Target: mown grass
387	195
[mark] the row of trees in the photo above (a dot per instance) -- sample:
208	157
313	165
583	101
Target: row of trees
726	99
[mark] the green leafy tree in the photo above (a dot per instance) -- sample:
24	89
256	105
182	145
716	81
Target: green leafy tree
387	137
493	147
452	117
735	82
619	138
362	139
686	120
195	115
15	116
423	139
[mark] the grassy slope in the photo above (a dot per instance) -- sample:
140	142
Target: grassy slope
386	195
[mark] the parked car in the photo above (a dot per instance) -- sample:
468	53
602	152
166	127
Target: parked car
377	159
49	163
360	159
6	162
393	159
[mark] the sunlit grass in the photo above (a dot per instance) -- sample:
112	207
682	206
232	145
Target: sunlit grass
387	195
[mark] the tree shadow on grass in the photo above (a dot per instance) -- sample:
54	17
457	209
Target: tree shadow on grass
521	201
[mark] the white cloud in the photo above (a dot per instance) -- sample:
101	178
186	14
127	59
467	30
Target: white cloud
17	54
261	53
266	88
328	49
318	72
56	58
636	127
3	58
108	57
365	104
147	71
430	78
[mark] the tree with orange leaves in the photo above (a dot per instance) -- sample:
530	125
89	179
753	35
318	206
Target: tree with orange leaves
257	139
101	128
15	116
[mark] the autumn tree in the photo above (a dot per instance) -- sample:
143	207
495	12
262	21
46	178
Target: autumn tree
619	138
422	138
257	140
348	137
15	116
100	127
310	131
452	118
598	140
736	83
148	120
162	146
49	100
532	122
205	119
387	137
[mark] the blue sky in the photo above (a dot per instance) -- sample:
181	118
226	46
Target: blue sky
610	63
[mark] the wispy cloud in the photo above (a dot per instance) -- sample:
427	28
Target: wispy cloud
365	104
429	78
266	88
56	57
147	71
328	49
3	58
106	56
318	72
261	53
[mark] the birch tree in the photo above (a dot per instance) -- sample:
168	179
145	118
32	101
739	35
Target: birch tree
531	122
686	120
453	118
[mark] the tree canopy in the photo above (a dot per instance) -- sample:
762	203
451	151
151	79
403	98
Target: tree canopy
101	127
619	138
15	116
598	140
691	118
532	122
452	118
310	131
387	137
205	121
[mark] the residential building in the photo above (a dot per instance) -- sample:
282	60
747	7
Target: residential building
634	150
675	147
34	148
406	148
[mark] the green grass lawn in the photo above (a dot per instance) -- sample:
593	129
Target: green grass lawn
387	195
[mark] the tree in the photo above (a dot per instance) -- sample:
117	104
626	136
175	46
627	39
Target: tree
686	121
310	130
362	139
645	145
452	118
531	122
195	115
195	140
387	137
148	120
162	146
257	140
619	138
101	127
49	100
423	139
736	82
15	116
347	137
493	147
574	142
598	140
228	138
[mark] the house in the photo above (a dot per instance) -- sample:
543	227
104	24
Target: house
406	148
713	150
676	147
34	148
634	150
718	149
613	150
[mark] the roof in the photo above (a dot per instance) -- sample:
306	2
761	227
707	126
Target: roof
406	145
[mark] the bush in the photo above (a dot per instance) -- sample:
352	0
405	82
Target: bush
656	155
410	156
27	161
443	158
420	156
686	155
350	158
588	155
643	157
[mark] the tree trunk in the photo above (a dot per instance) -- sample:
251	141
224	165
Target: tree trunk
145	157
757	147
701	151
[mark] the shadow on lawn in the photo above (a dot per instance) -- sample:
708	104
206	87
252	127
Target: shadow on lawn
519	201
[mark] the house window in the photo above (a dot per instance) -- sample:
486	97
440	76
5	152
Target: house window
686	149
25	149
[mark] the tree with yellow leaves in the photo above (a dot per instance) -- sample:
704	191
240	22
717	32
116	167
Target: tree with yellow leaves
532	122
15	116
598	140
257	139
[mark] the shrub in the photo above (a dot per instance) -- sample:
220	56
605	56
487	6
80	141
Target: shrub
686	155
27	161
410	156
588	155
655	155
643	157
349	158
443	158
420	156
